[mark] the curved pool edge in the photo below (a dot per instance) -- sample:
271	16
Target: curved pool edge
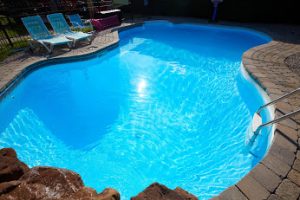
270	109
225	27
9	83
275	174
271	173
18	70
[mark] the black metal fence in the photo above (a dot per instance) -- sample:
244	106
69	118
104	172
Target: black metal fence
13	36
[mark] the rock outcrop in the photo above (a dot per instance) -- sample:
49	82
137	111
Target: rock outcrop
11	168
18	182
157	191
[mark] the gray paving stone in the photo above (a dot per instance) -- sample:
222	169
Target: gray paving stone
274	197
252	189
288	190
232	193
289	123
289	132
265	177
276	165
282	153
296	165
294	176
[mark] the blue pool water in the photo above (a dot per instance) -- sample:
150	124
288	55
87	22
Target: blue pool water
169	104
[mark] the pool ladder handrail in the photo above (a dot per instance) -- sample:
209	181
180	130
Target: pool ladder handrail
257	129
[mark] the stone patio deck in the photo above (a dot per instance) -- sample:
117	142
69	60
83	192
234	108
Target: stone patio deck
277	176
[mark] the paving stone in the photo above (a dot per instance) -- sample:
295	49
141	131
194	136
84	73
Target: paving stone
288	123
248	184
294	176
274	197
282	153
265	177
276	165
288	190
290	133
286	140
232	193
296	165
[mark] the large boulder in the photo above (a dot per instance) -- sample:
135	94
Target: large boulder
18	182
157	191
11	168
47	183
107	194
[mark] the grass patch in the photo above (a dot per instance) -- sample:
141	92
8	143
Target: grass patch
85	29
16	34
6	50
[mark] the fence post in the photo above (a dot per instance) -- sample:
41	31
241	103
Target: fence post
6	35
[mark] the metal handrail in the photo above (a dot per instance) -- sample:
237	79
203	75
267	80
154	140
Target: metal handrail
293	113
278	99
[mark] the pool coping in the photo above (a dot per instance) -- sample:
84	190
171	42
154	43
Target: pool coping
277	176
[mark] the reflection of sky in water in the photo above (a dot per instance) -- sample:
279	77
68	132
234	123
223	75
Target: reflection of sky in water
141	87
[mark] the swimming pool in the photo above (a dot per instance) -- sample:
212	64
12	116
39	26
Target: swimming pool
170	104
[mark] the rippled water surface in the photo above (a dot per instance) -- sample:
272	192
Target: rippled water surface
170	104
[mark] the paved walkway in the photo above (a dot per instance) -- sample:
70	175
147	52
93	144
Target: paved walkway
277	176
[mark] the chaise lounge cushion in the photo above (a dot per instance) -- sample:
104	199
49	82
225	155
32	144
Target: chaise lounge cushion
106	22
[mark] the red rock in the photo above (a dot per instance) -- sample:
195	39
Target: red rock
157	191
43	183
184	193
108	194
8	186
9	152
58	180
11	168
